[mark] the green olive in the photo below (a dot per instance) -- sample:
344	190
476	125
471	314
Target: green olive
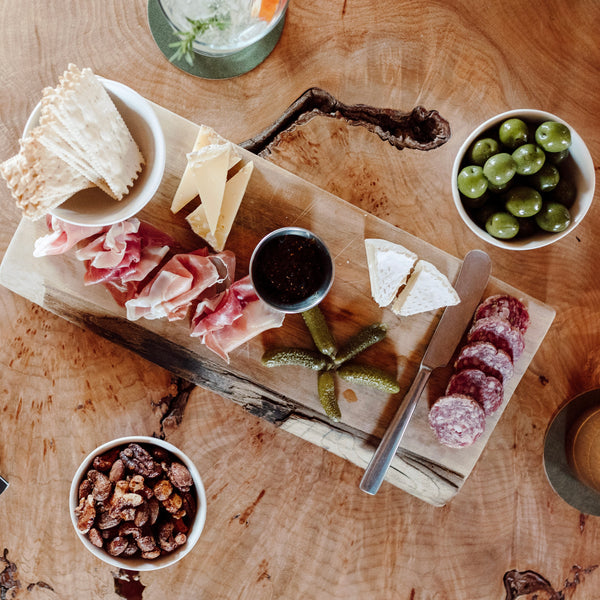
471	181
554	217
513	133
523	201
500	168
482	149
553	136
546	179
529	159
502	225
565	192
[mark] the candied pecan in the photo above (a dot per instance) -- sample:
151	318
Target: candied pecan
136	483
124	502
139	460
180	476
117	545
180	524
180	539
146	543
85	489
162	490
165	537
117	471
110	533
159	454
105	521
102	485
132	530
105	461
173	503
179	514
154	507
95	537
85	513
151	554
142	514
189	503
131	549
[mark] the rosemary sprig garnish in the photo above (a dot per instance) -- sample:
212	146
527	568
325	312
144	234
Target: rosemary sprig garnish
184	47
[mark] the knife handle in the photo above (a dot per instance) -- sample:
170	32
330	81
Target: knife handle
382	458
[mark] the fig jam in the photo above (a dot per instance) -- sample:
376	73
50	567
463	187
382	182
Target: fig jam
289	269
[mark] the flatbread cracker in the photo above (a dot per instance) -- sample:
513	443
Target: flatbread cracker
39	180
91	119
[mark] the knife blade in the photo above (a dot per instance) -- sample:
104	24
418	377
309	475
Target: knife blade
3	484
470	284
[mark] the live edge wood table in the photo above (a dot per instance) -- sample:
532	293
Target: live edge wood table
285	516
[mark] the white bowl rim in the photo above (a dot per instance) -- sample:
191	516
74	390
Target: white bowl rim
140	564
525	244
142	107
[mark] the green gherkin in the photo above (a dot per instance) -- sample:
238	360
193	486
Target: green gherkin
326	388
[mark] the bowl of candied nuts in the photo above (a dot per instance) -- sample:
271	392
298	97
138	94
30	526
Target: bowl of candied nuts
138	503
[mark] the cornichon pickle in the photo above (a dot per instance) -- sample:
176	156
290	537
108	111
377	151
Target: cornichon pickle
300	357
319	330
361	341
368	375
326	386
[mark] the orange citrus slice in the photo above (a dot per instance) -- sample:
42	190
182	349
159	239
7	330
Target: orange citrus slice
267	9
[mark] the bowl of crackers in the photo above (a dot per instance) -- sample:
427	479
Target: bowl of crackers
138	503
92	153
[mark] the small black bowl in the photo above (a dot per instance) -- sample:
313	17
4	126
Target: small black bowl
291	269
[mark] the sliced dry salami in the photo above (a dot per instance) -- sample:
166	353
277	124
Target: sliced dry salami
487	358
457	420
487	390
507	307
501	333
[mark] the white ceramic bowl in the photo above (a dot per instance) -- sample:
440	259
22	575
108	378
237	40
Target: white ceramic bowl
92	206
579	165
140	564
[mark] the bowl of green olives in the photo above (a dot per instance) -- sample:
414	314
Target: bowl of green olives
523	179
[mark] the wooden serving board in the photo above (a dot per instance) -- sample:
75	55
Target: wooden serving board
286	396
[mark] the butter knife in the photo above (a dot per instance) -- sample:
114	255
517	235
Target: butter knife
470	284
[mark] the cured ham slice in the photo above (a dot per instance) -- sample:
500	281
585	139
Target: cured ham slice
184	279
256	318
232	318
62	237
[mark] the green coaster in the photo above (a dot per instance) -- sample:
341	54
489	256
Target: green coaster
211	67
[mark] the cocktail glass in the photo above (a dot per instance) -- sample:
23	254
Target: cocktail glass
219	28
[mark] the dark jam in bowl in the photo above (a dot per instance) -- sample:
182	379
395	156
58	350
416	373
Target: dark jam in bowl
291	269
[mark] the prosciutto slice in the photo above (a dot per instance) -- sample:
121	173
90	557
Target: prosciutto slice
185	278
62	237
232	318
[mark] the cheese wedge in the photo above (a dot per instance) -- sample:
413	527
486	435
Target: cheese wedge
427	289
389	267
187	190
235	189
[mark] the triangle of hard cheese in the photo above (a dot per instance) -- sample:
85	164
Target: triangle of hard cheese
235	189
209	166
187	190
427	289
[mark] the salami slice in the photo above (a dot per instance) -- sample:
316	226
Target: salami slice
500	333
507	307
457	420
487	390
487	358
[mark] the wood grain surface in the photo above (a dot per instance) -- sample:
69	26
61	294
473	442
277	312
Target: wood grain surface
286	518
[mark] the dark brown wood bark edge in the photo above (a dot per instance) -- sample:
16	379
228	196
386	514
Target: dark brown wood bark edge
419	129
